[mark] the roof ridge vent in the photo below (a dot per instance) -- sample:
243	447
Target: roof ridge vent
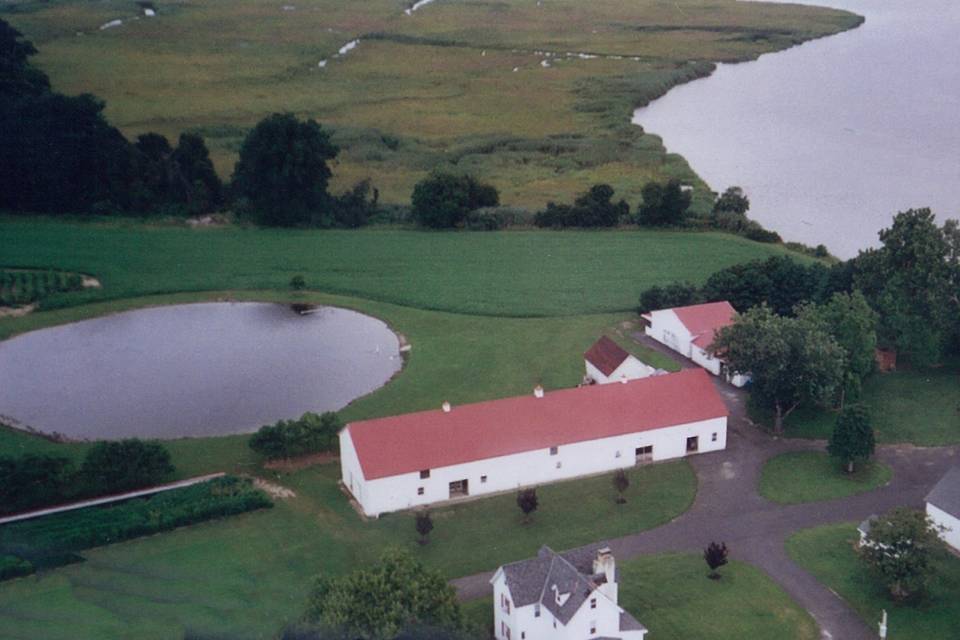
445	406
538	391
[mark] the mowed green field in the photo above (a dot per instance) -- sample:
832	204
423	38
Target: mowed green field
247	576
457	84
516	273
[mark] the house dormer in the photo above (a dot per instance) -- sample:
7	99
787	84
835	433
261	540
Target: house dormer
562	596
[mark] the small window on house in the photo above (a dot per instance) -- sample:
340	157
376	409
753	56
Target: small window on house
554	623
593	603
616	455
593	627
483	479
553	451
424	474
523	635
713	438
536	610
419	491
559	464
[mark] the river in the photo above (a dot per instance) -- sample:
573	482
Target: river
831	138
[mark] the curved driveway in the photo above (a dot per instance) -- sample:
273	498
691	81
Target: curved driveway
729	509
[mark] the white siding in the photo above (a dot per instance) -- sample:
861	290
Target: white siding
629	369
507	473
666	328
951	523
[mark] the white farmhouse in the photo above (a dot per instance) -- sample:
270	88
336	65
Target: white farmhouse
561	596
943	507
690	331
606	362
416	459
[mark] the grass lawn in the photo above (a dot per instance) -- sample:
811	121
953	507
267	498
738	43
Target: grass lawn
828	553
921	407
514	273
672	596
812	476
434	89
247	576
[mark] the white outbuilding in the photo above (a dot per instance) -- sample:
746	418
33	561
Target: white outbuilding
691	330
417	459
607	362
562	596
943	507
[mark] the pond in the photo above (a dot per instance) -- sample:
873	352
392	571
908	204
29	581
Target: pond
831	138
192	370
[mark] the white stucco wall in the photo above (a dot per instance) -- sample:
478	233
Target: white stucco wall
665	327
952	535
507	473
629	369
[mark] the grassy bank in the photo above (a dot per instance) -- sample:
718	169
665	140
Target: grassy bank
247	576
915	406
516	273
828	553
434	89
812	476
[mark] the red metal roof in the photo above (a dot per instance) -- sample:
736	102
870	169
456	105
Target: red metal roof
433	439
606	355
704	320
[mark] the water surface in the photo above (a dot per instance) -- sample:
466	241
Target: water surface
192	370
831	138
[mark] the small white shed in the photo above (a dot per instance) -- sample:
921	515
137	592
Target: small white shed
607	362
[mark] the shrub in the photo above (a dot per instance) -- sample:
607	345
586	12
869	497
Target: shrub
663	205
34	481
311	433
678	294
495	218
594	208
443	200
123	465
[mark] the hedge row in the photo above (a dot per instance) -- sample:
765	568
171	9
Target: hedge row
62	534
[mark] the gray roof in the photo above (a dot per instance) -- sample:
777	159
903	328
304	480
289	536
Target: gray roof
946	494
629	623
571	572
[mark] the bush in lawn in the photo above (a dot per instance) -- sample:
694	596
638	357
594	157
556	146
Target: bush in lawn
443	200
34	481
715	555
63	533
14	567
311	433
298	283
528	502
621	482
424	525
123	465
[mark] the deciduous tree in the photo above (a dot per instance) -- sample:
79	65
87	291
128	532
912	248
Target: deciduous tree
901	548
663	204
715	555
122	465
852	440
528	502
621	482
424	525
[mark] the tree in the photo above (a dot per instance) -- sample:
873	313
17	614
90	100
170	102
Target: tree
779	281
715	555
123	465
663	205
790	360
33	481
852	439
901	548
424	525
310	433
283	171
379	602
678	294
528	502
913	286
200	188
621	482
443	200
18	77
298	283
853	324
733	200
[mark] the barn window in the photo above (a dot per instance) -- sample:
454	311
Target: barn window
559	464
616	455
424	474
536	610
553	451
713	438
419	491
483	479
593	603
593	627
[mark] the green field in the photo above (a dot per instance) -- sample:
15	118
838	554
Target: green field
515	273
246	576
828	553
433	89
921	407
812	476
673	598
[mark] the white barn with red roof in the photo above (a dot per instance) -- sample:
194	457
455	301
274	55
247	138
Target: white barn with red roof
691	330
416	459
607	362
